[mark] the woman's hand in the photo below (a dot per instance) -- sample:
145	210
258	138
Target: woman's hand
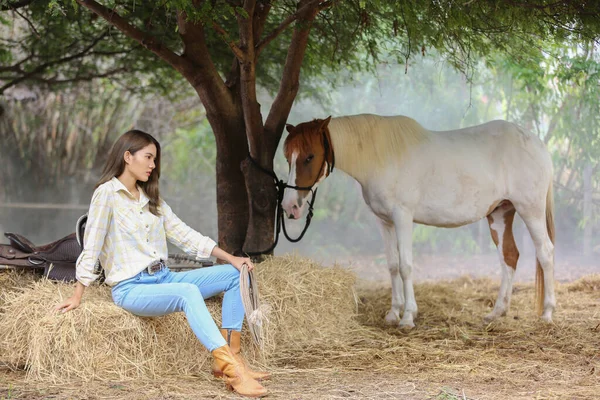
238	262
72	302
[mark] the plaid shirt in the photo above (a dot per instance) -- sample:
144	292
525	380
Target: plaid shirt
125	237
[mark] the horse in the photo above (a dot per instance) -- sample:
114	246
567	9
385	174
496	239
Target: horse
439	178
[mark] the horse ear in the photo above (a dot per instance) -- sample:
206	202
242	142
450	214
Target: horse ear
329	156
325	122
289	127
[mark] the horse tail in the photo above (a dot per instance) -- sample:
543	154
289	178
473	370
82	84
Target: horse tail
539	272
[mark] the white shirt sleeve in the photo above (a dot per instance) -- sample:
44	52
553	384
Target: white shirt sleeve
96	228
184	237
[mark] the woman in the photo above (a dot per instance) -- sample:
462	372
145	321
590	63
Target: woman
126	231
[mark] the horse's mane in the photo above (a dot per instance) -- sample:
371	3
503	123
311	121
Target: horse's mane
369	142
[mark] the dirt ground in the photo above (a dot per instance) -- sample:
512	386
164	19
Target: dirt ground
449	355
309	384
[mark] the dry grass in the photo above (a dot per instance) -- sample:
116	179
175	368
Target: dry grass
102	341
12	280
516	357
316	331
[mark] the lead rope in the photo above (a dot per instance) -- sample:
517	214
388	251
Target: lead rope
256	313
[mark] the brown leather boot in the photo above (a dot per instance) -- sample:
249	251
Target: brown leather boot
234	340
235	374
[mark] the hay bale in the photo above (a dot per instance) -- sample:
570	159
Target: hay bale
307	301
589	283
13	280
308	305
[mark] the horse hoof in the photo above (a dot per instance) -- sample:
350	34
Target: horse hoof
547	314
392	318
546	318
491	317
406	325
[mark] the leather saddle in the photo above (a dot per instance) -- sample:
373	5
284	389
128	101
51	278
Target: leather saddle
54	260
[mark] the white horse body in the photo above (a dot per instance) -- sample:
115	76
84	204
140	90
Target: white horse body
456	177
447	179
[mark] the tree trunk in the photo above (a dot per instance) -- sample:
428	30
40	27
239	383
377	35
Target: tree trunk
263	204
241	186
587	209
232	200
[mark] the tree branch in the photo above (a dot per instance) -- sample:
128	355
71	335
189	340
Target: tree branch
202	73
16	67
28	22
85	78
234	73
110	53
251	107
262	9
261	12
245	27
290	81
145	39
16	4
44	66
230	42
287	22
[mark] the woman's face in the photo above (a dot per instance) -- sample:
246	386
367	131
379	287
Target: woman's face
141	164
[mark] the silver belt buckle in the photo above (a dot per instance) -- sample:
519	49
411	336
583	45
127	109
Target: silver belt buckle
155	268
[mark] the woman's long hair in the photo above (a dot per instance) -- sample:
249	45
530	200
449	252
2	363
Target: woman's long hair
133	141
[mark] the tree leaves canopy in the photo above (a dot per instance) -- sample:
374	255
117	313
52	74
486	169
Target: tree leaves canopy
57	41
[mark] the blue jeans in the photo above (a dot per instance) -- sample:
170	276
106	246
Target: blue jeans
166	292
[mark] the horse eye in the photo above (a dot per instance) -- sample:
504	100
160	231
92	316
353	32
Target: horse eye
309	158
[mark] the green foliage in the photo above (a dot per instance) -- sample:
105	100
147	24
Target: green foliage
350	36
191	151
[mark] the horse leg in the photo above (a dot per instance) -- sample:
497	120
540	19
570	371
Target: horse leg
535	220
501	221
403	222
391	253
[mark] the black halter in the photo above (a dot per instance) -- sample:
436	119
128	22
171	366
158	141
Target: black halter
280	185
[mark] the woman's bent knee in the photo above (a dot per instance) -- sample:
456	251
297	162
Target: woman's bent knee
232	273
188	290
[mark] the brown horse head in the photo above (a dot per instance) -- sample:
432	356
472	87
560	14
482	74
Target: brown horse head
309	154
